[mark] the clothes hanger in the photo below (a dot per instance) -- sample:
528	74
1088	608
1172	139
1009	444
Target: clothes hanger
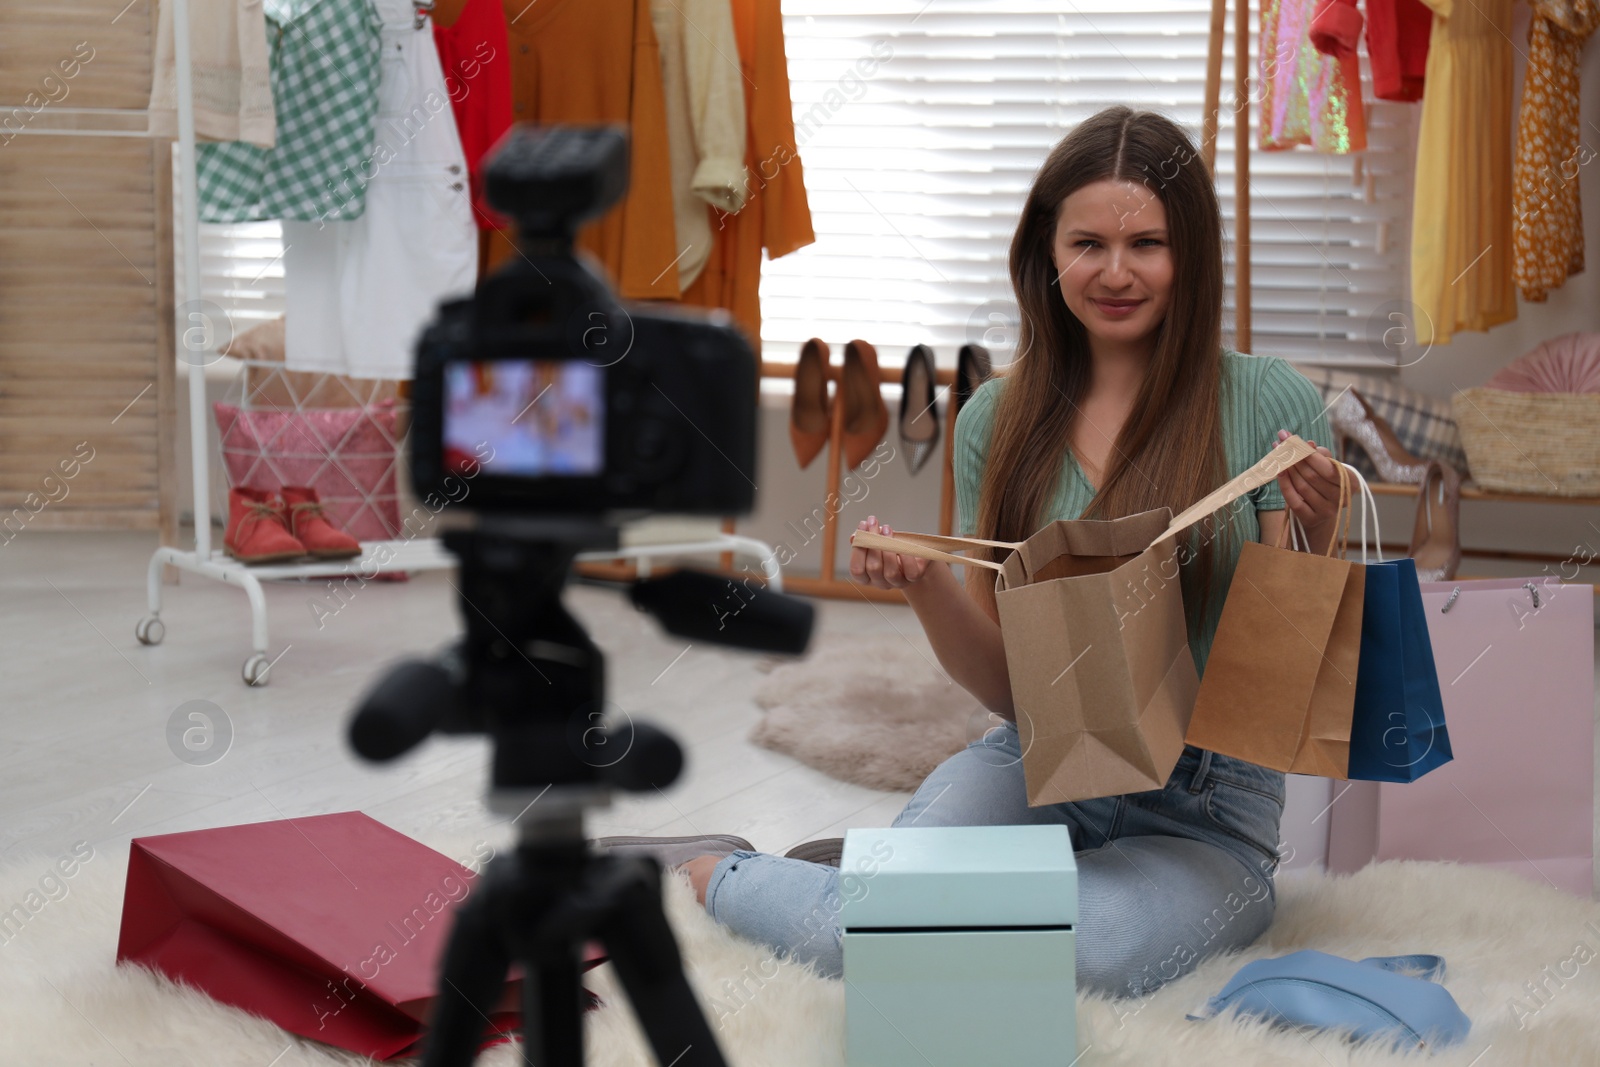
424	9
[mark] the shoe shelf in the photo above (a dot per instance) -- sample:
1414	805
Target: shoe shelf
1473	492
828	583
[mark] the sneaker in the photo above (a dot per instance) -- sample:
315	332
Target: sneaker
674	851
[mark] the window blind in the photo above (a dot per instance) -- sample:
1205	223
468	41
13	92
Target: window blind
921	123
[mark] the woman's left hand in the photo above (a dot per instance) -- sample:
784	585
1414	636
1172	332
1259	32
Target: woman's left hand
1311	487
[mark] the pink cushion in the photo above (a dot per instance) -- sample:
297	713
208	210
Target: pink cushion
348	455
1566	364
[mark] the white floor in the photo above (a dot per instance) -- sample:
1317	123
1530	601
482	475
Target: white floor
85	710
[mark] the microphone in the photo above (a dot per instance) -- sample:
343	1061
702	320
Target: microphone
715	608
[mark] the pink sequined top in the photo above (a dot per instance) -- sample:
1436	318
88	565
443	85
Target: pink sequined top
1306	97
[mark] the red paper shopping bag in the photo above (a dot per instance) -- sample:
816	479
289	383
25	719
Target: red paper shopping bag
331	926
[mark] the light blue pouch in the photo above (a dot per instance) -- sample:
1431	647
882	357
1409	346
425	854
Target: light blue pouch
1396	997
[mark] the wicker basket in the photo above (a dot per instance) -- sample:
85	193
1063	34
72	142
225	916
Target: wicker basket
1544	444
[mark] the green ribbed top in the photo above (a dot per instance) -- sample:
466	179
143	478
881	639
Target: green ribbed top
1260	396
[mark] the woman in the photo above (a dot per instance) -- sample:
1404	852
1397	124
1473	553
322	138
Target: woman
1121	399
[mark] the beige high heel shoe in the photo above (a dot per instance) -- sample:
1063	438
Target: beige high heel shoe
1436	536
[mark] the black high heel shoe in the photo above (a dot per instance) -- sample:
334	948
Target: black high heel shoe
973	368
919	417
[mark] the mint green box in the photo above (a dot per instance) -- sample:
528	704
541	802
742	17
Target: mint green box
959	946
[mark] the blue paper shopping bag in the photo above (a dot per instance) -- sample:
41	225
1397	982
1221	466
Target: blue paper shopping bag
1397	730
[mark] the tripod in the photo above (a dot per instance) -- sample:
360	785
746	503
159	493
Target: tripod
527	674
537	906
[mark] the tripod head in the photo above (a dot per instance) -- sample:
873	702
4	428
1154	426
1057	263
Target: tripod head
527	674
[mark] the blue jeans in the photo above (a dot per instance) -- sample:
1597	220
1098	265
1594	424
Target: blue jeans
1166	877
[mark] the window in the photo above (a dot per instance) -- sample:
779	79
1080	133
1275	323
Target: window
916	172
241	270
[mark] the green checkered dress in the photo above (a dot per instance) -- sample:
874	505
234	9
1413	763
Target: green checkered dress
325	57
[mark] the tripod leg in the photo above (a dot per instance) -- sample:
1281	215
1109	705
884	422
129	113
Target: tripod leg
471	978
552	1013
641	945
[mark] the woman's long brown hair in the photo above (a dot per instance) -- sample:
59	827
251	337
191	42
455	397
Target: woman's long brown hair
1170	450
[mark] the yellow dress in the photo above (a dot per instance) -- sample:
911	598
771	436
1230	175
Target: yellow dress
1549	218
1461	248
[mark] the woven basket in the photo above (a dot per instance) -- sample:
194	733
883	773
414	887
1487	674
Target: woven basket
1544	444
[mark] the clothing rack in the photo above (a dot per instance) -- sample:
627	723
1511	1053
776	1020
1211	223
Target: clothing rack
1241	148
418	554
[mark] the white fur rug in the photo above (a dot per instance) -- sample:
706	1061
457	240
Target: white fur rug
876	711
1524	964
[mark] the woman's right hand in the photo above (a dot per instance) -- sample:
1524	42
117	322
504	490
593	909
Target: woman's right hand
881	569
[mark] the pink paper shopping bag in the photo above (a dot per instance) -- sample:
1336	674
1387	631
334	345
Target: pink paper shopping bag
1515	658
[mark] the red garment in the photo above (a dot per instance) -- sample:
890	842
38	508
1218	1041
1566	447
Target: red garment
1397	41
476	58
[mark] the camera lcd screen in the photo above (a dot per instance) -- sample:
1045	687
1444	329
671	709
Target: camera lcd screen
524	417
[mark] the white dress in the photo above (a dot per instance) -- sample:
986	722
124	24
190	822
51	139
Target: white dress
358	292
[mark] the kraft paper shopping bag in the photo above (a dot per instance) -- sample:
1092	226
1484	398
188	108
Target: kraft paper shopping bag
1280	683
1096	643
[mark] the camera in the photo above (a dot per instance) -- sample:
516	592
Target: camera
549	394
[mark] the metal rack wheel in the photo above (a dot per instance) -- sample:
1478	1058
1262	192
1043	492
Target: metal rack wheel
255	670
150	630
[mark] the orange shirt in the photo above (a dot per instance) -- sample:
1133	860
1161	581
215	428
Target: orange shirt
777	216
588	62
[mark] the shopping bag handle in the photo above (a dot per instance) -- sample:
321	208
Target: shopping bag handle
925	546
1290	451
1369	507
1341	520
1369	511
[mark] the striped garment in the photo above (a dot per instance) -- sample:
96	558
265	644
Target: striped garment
1261	395
325	58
